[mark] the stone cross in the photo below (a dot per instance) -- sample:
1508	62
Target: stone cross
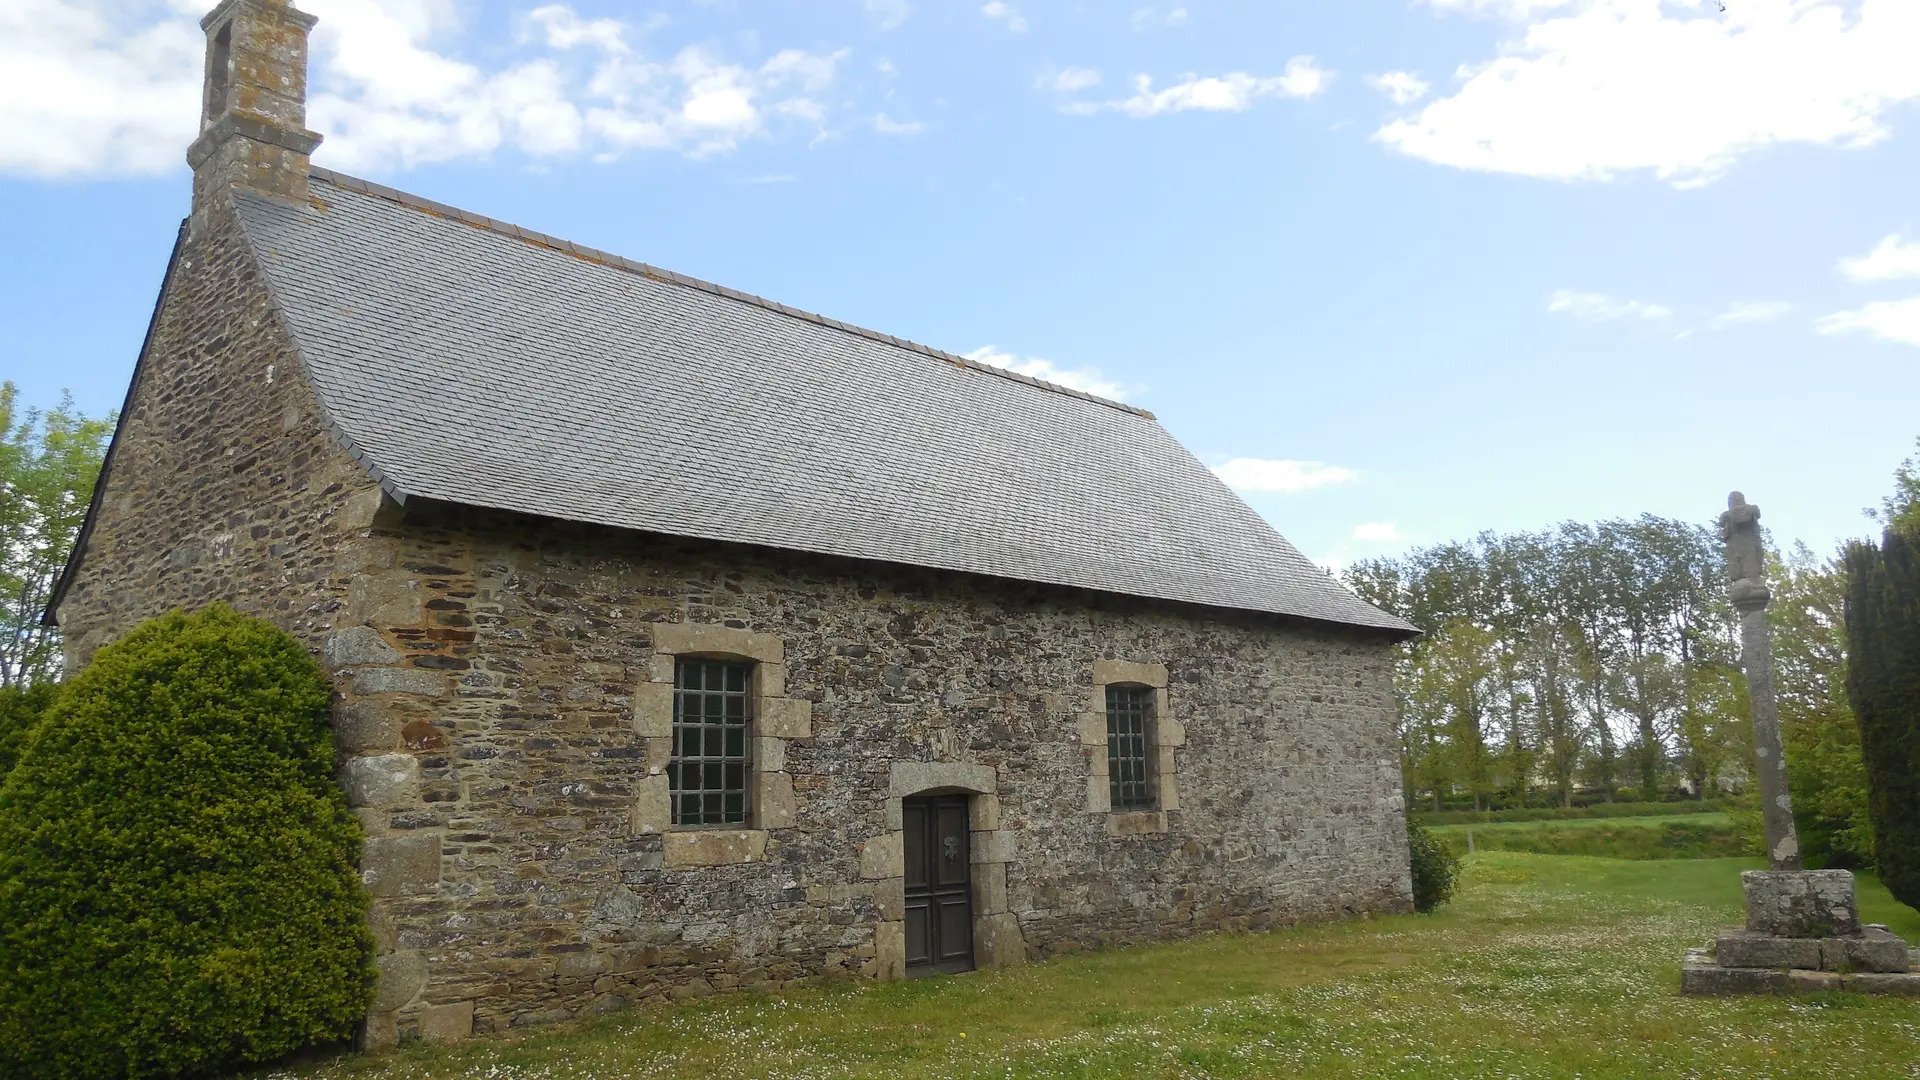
1747	588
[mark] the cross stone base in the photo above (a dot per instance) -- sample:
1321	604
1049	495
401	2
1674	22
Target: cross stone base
1803	934
1702	976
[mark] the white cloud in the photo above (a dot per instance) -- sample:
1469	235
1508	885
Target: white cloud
1002	11
1513	9
1220	93
1593	89
1087	380
565	29
1599	307
885	125
1891	320
1289	477
111	87
1147	18
392	100
82	93
1895	258
1741	313
1070	80
1403	87
888	14
1377	532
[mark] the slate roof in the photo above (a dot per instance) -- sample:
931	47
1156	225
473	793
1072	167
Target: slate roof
469	361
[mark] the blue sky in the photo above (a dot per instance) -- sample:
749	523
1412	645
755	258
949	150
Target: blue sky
1402	270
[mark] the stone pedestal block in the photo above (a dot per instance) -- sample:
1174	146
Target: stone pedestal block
1873	949
1903	984
1700	976
1801	903
1746	949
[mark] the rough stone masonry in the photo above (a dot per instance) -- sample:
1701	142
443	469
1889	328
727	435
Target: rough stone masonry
505	680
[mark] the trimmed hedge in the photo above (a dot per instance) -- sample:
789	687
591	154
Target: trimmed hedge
178	886
1668	840
1570	813
20	710
1435	868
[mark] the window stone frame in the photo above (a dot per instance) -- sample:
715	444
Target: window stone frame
1165	736
777	720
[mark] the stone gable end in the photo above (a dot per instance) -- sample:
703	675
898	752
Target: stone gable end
223	483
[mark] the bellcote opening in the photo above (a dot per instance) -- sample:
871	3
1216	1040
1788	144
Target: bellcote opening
219	73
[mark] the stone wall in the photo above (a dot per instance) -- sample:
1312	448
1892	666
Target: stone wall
223	483
500	695
498	716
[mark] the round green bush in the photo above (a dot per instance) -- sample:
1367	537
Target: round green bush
1435	868
20	710
178	893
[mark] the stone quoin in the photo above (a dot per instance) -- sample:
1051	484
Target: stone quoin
684	641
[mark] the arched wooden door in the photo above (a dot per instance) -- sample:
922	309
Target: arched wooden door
939	885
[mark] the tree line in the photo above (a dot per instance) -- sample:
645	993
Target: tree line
1581	659
1599	661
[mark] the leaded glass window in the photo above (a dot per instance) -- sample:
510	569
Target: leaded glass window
709	771
1129	712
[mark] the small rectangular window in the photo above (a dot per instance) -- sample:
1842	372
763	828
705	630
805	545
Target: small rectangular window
709	772
1129	712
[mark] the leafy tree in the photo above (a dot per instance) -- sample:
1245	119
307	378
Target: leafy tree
1826	772
178	885
49	462
1902	508
1451	687
1883	685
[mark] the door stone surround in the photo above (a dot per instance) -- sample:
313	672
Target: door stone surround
996	930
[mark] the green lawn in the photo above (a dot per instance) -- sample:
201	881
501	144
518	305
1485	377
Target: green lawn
1545	966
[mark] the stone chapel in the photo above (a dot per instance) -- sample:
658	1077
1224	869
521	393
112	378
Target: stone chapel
684	640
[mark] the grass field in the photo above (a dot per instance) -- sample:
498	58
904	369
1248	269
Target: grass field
1545	966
